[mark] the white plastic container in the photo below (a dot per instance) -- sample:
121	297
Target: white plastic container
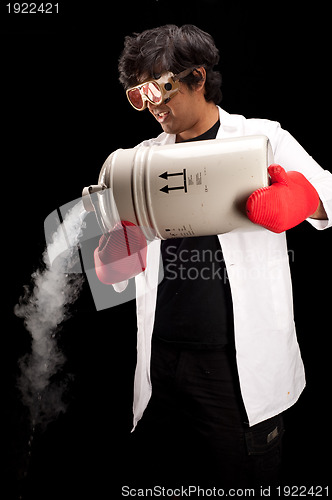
186	189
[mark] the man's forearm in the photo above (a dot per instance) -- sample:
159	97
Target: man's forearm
320	212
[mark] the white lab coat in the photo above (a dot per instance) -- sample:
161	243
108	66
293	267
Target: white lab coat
268	357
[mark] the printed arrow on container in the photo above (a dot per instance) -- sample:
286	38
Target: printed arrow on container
167	189
166	175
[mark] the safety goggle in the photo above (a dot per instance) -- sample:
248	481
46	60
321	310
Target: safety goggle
156	91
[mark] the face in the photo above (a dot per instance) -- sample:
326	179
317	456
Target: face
181	112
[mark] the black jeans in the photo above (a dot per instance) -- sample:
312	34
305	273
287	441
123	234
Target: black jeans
195	429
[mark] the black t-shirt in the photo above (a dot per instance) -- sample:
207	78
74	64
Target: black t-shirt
194	305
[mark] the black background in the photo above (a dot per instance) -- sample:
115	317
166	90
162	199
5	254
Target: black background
63	113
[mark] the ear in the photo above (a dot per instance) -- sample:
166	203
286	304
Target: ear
200	74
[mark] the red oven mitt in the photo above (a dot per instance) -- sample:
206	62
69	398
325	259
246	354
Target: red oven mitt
121	253
289	200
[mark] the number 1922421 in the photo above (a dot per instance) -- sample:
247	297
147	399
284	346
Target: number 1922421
32	8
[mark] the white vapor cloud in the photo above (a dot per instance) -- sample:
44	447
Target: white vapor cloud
44	306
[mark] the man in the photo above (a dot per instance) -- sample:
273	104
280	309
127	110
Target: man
219	355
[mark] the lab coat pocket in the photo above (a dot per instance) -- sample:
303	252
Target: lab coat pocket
281	293
265	440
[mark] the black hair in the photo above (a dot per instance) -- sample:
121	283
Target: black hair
171	48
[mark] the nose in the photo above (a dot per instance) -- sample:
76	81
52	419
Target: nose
151	106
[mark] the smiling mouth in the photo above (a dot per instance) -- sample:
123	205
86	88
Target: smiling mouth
161	116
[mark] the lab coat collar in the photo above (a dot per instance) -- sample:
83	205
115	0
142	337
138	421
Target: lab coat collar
228	125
